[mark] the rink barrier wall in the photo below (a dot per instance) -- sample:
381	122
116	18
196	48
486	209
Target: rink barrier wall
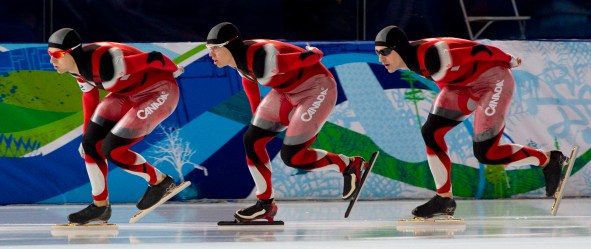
201	141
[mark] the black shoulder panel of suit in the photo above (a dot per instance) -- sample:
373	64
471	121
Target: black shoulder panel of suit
480	48
155	56
84	62
410	56
106	69
432	60
258	62
306	54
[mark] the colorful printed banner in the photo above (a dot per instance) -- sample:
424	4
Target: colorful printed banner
202	141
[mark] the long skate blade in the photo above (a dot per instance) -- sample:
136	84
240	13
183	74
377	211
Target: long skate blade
255	225
560	191
252	223
95	230
372	161
172	193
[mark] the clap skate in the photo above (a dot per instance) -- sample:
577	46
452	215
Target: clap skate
156	195
359	186
560	190
82	219
438	210
263	209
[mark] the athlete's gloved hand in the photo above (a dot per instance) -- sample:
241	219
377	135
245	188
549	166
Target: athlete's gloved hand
81	151
515	61
180	70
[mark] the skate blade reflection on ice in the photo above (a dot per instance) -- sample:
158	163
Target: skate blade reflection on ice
431	226
424	230
255	236
93	232
437	221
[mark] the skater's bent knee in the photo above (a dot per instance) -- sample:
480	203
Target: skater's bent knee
254	143
433	127
113	143
293	157
93	135
254	134
288	154
483	150
482	158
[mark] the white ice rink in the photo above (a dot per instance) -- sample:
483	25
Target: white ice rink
512	223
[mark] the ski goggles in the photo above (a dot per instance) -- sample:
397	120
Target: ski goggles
61	53
385	51
220	45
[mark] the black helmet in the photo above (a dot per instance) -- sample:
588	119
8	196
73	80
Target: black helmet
229	34
64	39
223	32
67	38
393	37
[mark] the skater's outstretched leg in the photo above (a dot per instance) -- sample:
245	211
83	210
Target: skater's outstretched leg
156	192
438	205
263	209
352	176
91	213
553	170
305	158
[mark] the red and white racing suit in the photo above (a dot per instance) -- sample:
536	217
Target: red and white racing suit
142	93
474	78
303	95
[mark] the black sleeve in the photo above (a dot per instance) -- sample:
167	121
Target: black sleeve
106	67
258	62
432	60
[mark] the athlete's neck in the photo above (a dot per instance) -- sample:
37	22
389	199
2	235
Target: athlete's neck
74	70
